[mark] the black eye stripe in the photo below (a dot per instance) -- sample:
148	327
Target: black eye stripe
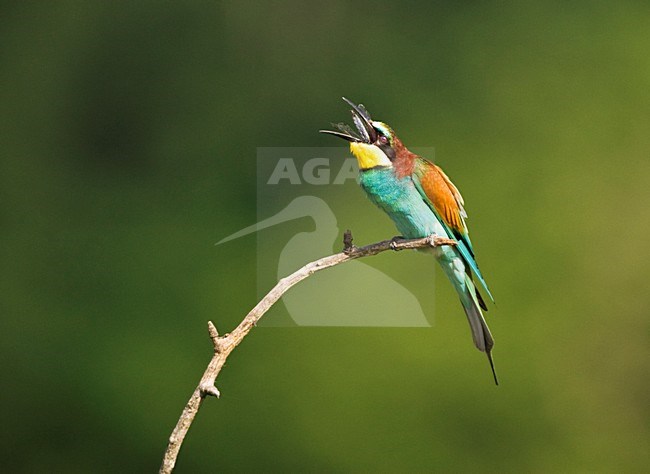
388	151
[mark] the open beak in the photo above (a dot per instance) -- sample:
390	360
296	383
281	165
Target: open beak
365	132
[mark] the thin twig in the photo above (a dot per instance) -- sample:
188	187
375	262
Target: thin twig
224	345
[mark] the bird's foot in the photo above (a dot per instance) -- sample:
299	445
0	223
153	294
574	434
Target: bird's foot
394	241
433	240
436	241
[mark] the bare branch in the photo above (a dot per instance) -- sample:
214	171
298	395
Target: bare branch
224	345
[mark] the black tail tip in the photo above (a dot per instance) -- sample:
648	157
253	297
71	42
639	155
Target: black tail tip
494	372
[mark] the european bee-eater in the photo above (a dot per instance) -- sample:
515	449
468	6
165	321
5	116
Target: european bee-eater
422	201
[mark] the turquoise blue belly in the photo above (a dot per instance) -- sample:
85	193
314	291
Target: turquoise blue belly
402	202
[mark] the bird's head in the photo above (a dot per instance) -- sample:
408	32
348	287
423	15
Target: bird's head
373	143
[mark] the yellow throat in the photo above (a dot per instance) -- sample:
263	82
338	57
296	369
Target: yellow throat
369	156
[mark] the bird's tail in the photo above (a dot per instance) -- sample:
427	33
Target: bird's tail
480	332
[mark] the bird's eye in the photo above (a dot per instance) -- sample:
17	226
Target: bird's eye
382	140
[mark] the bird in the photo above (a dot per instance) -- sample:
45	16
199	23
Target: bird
422	201
343	307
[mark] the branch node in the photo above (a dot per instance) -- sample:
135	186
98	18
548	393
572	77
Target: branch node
209	389
212	330
214	335
348	246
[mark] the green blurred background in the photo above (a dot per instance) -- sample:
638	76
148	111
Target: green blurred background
128	136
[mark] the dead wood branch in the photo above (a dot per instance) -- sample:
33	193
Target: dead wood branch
224	345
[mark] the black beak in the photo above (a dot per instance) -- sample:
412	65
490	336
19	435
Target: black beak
365	131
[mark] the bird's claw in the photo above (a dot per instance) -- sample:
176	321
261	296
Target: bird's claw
394	241
436	241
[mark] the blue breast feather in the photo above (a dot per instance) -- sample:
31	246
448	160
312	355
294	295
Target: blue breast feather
400	199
